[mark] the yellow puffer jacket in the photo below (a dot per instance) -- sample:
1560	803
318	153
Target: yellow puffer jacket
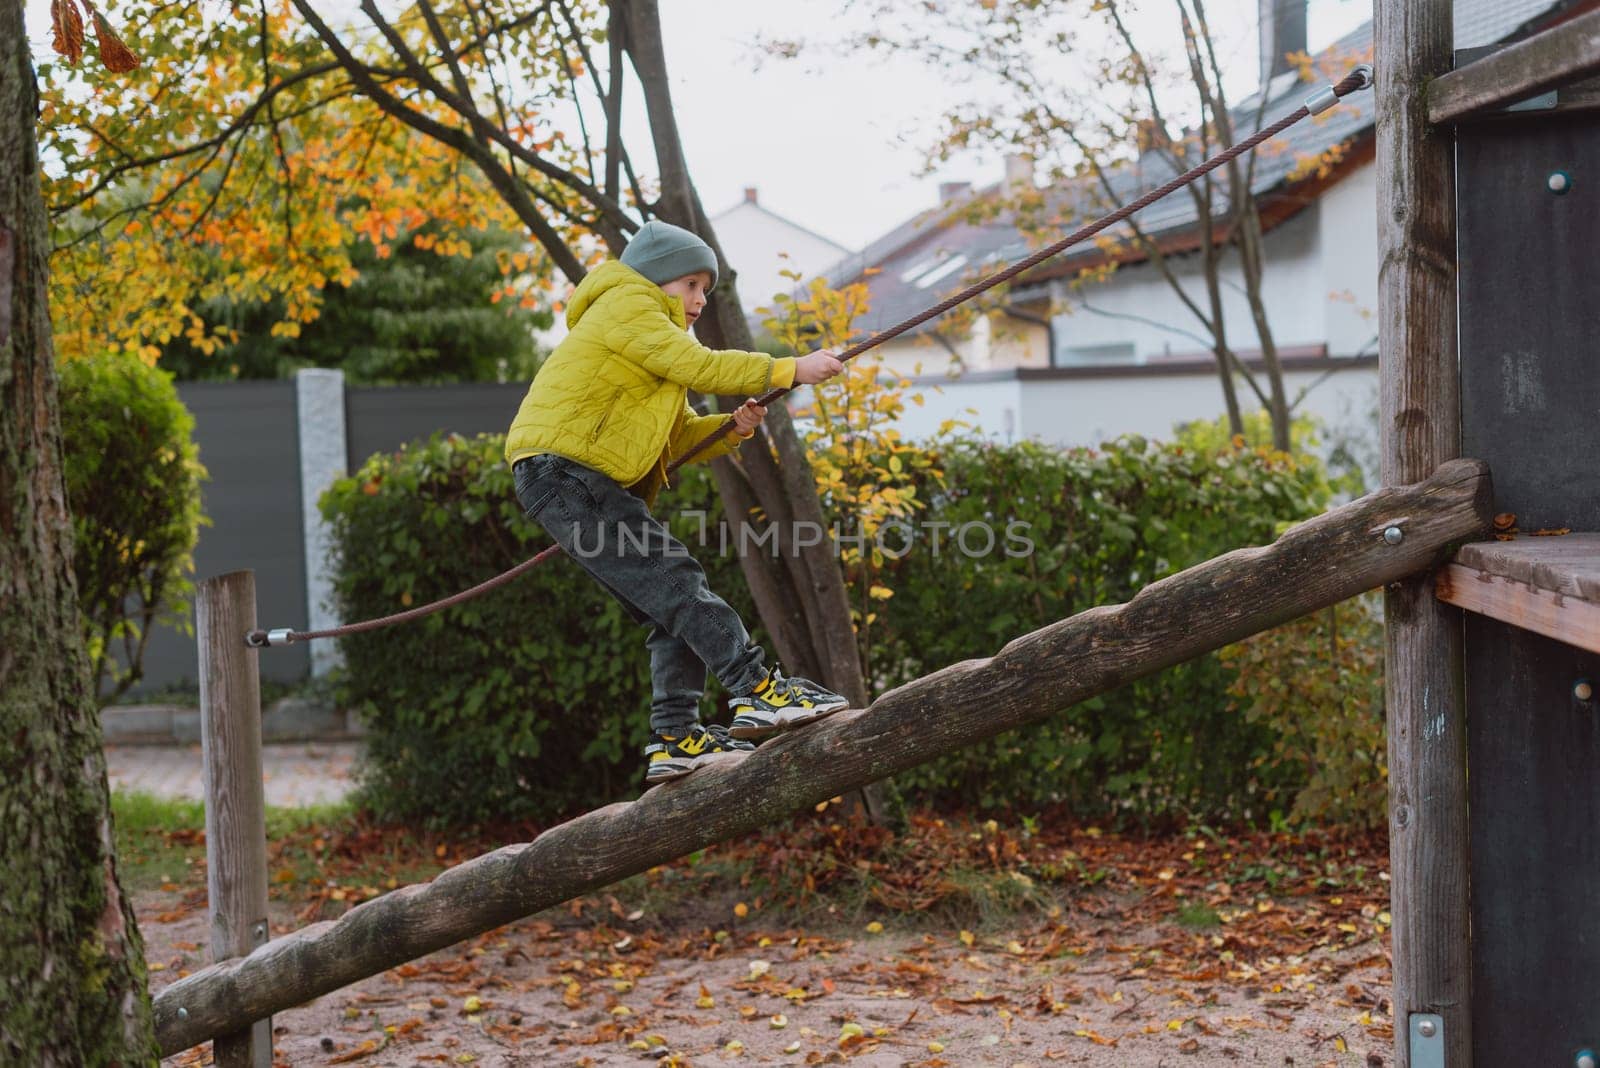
613	395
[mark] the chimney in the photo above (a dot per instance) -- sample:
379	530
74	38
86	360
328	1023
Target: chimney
949	191
1283	30
1019	171
750	190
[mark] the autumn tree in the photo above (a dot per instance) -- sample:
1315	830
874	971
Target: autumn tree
1090	93
407	316
248	123
72	973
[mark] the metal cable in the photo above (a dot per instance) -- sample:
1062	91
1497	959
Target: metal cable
1321	100
1359	78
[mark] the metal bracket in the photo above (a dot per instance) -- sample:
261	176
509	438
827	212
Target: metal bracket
1427	1040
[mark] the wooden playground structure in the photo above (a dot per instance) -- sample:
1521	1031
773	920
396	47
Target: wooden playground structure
1488	214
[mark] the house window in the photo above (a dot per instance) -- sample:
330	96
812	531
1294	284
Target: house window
1107	352
944	270
929	271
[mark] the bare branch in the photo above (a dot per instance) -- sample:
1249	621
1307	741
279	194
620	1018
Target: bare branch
613	102
616	151
611	212
277	137
500	109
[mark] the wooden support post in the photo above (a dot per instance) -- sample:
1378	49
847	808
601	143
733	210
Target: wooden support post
236	831
1420	429
1318	563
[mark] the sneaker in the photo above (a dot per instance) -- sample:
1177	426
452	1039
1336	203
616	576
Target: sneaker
673	758
778	704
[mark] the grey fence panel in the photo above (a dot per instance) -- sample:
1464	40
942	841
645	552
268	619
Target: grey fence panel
382	418
247	433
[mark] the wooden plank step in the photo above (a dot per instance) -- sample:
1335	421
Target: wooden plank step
1548	585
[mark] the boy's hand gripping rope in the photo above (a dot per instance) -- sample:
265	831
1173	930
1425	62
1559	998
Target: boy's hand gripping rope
1321	100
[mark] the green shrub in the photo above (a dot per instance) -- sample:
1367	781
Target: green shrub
133	487
1103	523
529	702
532	701
1317	684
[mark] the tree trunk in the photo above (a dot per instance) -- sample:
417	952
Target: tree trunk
72	974
1211	269
1246	228
1253	259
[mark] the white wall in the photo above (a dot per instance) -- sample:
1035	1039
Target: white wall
1136	304
995	343
754	240
1348	240
1090	410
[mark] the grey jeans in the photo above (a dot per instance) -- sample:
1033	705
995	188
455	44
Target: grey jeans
611	534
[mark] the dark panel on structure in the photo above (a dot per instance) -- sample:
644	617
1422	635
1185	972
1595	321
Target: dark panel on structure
382	418
1530	334
248	440
1530	315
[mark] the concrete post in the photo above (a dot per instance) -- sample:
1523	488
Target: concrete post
319	396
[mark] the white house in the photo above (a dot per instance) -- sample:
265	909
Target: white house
1079	364
761	244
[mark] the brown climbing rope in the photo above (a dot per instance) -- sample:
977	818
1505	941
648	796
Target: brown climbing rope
1323	99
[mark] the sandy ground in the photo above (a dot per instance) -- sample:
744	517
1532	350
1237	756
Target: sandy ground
606	988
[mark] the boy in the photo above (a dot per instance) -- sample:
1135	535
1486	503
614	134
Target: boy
589	450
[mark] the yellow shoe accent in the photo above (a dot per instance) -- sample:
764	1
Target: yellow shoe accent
695	745
659	756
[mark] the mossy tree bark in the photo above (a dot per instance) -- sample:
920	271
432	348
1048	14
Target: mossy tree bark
72	974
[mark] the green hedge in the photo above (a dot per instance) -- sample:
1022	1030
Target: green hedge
133	475
532	701
1104	524
529	702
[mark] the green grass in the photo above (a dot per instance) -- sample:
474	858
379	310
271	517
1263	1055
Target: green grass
147	854
158	839
1197	916
141	814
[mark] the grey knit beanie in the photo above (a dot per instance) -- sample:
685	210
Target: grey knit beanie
662	252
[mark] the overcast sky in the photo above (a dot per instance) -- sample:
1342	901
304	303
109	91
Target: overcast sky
865	117
832	144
